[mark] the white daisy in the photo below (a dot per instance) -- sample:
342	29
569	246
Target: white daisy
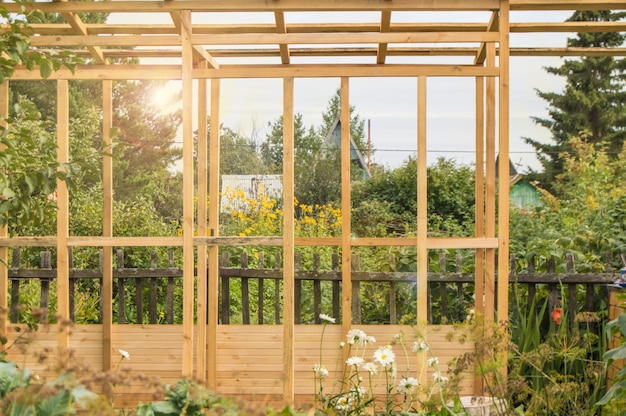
370	368
419	346
320	370
384	356
407	384
327	318
125	354
439	378
355	335
344	403
357	361
432	362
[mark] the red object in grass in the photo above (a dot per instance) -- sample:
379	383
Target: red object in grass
556	315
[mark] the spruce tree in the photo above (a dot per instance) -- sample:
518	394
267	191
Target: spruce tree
592	105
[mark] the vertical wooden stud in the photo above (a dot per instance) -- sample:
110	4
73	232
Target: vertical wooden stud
188	222
63	266
201	310
422	208
288	241
214	207
4	230
490	182
107	224
346	255
479	230
503	168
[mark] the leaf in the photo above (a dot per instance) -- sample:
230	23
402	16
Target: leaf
8	193
57	405
45	69
164	408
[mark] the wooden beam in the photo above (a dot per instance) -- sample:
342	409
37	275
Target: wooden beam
214	212
431	243
385	25
188	197
490	195
202	55
346	243
199	53
479	213
352	51
264	39
107	224
167	72
307	39
540	5
314	28
422	203
202	178
568	27
503	167
281	27
422	214
264	6
4	229
63	208
288	243
492	26
80	29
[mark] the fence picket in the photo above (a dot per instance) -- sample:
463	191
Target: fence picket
563	288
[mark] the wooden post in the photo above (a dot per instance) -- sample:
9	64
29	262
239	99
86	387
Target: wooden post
346	247
214	211
188	203
422	214
107	225
288	241
503	168
63	268
490	198
479	215
201	309
4	230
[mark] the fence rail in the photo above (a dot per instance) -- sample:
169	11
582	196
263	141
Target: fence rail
257	290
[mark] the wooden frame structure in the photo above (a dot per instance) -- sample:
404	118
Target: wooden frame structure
199	52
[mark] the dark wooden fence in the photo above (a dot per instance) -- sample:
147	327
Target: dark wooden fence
252	293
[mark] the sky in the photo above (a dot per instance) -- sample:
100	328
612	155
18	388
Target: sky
390	104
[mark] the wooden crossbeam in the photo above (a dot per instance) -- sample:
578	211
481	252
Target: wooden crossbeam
281	27
385	25
78	27
205	29
482	50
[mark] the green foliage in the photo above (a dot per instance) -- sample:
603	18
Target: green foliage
28	170
592	104
15	47
616	394
145	155
238	155
394	194
587	218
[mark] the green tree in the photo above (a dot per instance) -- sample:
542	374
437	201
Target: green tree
451	198
145	155
238	154
593	104
587	219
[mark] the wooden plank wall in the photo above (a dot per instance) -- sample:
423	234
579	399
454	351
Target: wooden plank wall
249	361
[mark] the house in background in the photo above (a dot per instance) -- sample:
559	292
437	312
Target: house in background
524	194
333	140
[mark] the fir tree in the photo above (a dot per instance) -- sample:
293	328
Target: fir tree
592	105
